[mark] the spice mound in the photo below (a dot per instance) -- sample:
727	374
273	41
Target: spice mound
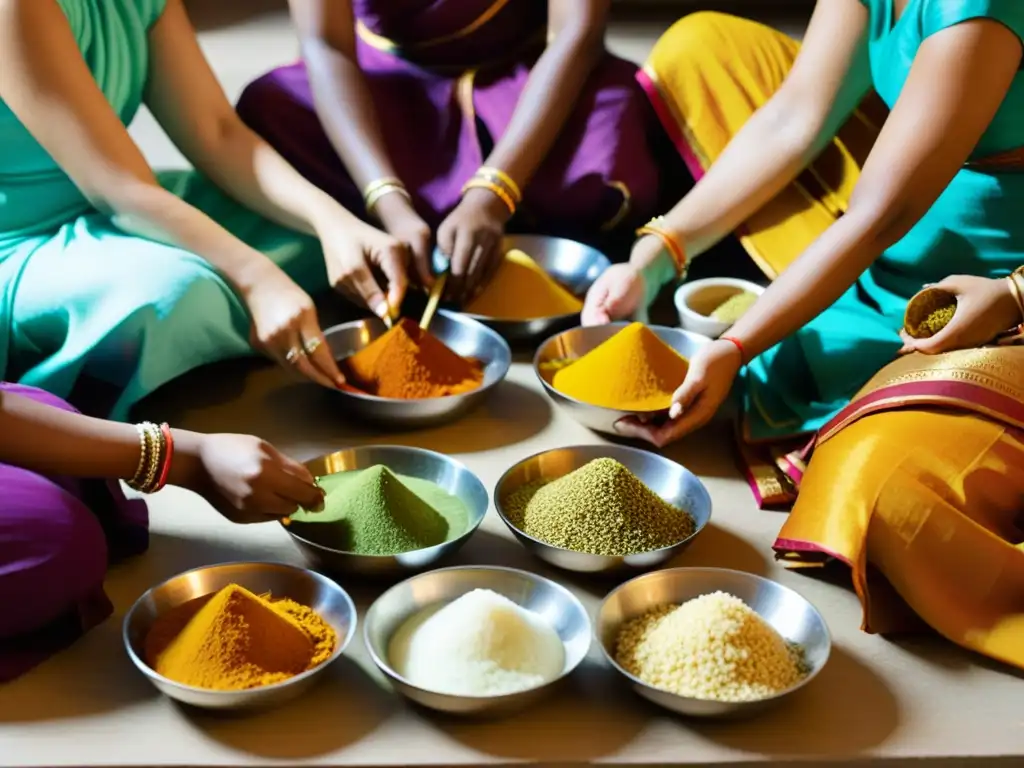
602	509
481	644
634	370
522	290
733	308
712	647
408	363
233	640
376	512
928	312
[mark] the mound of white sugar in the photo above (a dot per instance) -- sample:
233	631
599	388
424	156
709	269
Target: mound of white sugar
481	644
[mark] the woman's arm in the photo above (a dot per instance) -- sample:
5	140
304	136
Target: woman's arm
191	106
829	79
576	31
327	35
958	81
46	83
52	441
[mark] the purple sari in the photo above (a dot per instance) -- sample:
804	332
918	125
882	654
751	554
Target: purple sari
445	77
56	537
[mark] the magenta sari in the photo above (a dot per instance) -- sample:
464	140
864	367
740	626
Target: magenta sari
57	535
445	77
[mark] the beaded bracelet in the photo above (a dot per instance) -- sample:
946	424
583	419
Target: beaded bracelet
658	229
157	448
376	190
478	183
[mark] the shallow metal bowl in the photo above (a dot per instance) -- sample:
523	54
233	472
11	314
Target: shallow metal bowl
559	607
305	587
574	265
788	612
673	482
577	342
462	334
448	473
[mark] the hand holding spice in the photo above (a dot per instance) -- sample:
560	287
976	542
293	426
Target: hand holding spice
961	312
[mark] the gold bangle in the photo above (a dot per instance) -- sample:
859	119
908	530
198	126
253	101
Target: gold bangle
150	456
478	183
156	454
375	197
140	468
1016	281
500	177
657	228
373	186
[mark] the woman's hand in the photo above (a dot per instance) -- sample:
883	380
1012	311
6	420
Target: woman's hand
401	221
708	381
616	295
285	326
353	252
471	238
985	308
246	479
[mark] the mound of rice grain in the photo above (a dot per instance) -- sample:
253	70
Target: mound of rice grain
712	647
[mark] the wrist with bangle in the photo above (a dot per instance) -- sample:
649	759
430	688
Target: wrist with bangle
1015	281
498	183
376	190
156	452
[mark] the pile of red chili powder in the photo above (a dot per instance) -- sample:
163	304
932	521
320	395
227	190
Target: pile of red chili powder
408	363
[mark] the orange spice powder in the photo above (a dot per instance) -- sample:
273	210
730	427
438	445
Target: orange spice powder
407	363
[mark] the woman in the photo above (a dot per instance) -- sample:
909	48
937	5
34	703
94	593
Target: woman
849	238
58	530
109	272
454	115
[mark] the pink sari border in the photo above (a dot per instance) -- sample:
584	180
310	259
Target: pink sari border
795	545
670	125
960	394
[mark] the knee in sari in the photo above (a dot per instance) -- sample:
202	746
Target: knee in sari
921	495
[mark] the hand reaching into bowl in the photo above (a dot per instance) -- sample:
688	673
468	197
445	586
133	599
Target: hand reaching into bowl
709	380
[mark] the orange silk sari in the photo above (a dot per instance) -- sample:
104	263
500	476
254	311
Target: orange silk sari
918	486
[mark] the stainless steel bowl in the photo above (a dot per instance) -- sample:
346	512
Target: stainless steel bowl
575	265
448	473
673	482
554	603
462	334
305	587
573	344
789	613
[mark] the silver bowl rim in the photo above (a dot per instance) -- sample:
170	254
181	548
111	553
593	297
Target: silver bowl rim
385	667
544	318
746	574
506	362
411	449
550	389
152	673
499	507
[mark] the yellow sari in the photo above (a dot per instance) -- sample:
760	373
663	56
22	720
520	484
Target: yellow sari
918	485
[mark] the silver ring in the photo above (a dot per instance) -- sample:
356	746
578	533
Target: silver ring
293	355
312	345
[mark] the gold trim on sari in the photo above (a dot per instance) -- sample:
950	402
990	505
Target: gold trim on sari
382	43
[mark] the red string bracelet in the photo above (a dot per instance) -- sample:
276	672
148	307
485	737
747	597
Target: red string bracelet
738	344
165	470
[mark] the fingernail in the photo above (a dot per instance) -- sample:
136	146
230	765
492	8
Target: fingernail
340	382
382	310
675	411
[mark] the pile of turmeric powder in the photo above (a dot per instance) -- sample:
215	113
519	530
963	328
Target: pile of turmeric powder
522	290
634	370
408	363
234	640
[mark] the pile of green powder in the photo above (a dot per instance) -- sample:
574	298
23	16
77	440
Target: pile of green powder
376	512
935	321
602	508
733	308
